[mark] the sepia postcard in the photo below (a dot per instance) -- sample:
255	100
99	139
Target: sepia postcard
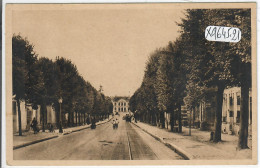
130	84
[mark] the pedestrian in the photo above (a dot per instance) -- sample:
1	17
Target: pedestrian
114	124
93	123
34	125
88	120
135	117
51	128
117	122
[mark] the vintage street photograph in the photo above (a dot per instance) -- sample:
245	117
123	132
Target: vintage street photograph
151	83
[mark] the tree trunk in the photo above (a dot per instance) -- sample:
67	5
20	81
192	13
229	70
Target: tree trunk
218	114
76	116
193	116
172	120
244	107
84	118
162	120
69	114
72	119
81	118
243	131
43	109
179	118
57	117
154	119
44	114
19	117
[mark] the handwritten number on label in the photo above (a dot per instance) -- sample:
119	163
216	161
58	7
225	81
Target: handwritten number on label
223	34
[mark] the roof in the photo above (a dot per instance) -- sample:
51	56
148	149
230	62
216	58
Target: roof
116	98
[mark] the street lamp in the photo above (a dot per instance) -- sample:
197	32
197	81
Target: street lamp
60	125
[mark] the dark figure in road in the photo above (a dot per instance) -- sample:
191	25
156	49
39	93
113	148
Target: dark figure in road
128	118
114	124
93	123
34	126
117	122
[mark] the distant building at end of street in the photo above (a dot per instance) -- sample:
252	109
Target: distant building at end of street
120	104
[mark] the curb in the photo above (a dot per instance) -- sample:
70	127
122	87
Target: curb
34	142
86	127
173	147
55	136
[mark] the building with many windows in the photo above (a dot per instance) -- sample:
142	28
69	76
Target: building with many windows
231	111
205	111
120	104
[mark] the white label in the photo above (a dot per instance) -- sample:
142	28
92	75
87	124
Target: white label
223	34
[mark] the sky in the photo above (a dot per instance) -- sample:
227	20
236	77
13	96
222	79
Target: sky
109	45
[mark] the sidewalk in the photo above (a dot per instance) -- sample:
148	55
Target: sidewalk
197	146
29	138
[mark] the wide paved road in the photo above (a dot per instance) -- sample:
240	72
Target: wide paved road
103	143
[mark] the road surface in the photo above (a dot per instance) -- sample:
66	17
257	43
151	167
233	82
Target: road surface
128	142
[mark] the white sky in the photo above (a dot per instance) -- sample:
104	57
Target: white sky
109	46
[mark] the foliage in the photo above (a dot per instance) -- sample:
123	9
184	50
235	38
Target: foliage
43	81
189	67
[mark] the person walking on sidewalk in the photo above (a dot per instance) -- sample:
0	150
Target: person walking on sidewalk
34	125
116	123
93	123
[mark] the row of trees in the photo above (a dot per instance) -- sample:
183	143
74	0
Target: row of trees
41	81
181	72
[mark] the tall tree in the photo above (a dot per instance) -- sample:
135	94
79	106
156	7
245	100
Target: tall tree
149	86
67	80
23	58
178	72
49	93
165	88
217	63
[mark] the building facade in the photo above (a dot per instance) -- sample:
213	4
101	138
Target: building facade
231	111
120	104
204	112
27	115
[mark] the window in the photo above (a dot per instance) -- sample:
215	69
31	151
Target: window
238	117
238	100
238	114
231	114
230	101
224	119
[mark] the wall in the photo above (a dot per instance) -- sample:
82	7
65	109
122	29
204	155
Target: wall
51	114
231	111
